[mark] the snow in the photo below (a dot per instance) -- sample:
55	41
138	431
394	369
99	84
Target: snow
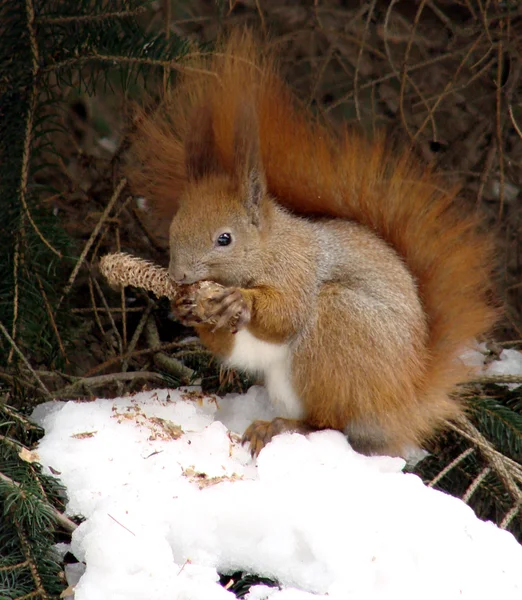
171	498
509	362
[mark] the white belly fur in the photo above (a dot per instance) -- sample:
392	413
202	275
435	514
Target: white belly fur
274	362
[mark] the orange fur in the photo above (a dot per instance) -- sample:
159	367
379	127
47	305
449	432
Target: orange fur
313	170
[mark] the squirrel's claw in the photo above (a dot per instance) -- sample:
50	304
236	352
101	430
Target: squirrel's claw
257	435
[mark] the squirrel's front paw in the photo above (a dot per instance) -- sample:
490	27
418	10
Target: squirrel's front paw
194	302
228	310
185	306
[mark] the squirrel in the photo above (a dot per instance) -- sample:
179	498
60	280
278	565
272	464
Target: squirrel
353	278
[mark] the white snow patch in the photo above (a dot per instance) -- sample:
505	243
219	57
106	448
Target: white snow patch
508	363
171	497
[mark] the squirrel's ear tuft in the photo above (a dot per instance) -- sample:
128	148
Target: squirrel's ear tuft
200	147
255	190
247	158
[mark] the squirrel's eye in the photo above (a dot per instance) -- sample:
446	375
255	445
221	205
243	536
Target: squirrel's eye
224	239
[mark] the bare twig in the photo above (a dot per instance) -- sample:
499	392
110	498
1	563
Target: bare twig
162	360
122	297
137	353
125	60
448	86
51	318
498	379
498	122
514	122
369	16
101	380
92	237
24	360
122	14
136	335
95	309
16	263
109	313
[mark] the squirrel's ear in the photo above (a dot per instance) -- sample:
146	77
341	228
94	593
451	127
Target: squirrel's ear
200	149
247	158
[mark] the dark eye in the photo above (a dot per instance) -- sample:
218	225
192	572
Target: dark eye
224	239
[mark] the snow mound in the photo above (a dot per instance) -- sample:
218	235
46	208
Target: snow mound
171	497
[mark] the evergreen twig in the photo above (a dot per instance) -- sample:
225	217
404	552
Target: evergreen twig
61	519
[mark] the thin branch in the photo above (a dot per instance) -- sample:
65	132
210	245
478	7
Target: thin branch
404	72
499	379
91	239
451	466
476	484
506	521
137	333
369	16
122	298
497	460
29	125
124	60
162	360
16	416
31	562
92	18
101	380
199	351
16	263
95	310
448	86
24	360
114	218
403	76
111	318
421	65
128	309
51	318
498	122
514	122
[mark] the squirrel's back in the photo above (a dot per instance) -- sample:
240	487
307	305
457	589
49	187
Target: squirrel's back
313	170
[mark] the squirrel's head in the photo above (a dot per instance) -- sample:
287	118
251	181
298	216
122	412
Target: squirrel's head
217	231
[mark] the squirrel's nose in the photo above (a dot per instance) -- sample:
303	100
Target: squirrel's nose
181	274
178	274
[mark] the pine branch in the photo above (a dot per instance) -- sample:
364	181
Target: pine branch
500	423
59	517
29	566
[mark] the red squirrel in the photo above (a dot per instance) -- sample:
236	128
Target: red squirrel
354	278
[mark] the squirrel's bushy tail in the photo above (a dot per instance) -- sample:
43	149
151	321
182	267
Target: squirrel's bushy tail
313	170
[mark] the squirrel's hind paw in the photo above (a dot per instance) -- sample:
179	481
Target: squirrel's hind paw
260	433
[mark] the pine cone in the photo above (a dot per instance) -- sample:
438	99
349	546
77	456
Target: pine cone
190	303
